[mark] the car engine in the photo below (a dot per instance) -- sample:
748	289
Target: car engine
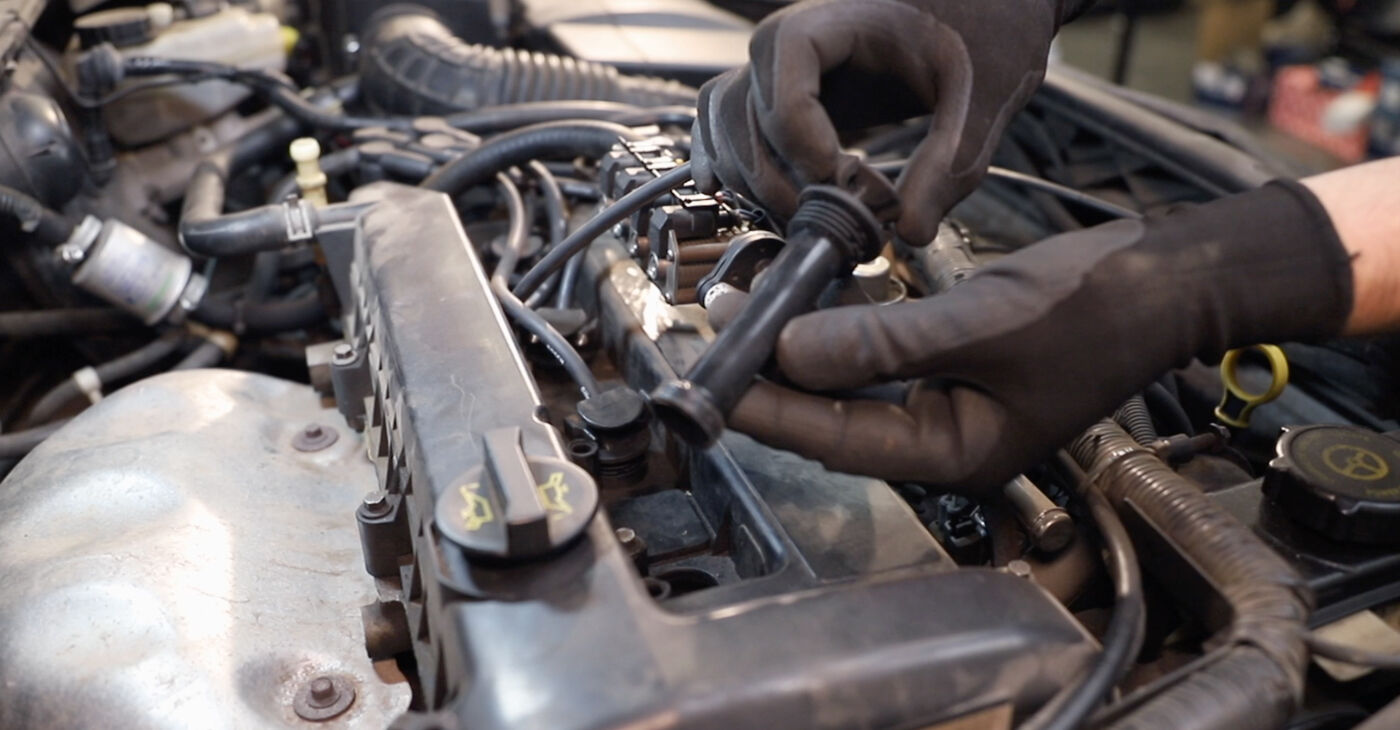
366	365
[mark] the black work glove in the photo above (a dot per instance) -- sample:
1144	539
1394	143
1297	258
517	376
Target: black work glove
768	129
1032	349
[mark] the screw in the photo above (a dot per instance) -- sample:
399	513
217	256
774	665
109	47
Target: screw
626	536
323	692
343	353
1019	568
313	431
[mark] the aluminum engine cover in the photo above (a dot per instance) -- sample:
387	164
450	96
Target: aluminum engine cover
172	561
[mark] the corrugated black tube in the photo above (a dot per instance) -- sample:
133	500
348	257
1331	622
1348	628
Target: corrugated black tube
1255	679
412	64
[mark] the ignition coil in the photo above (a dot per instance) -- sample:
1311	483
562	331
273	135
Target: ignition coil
831	232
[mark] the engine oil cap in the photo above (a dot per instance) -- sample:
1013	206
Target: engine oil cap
1342	481
516	506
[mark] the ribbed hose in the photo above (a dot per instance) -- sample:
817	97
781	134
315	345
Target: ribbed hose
1134	417
414	65
1256	681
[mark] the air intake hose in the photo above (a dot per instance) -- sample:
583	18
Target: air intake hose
413	65
1255	680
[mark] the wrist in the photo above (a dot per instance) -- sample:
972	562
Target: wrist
1360	203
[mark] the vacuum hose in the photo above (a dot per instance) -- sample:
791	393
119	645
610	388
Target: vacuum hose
1256	678
414	65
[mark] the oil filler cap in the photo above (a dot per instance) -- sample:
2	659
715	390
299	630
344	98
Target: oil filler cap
1342	481
516	506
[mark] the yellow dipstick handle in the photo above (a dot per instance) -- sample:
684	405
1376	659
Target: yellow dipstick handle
1238	404
306	152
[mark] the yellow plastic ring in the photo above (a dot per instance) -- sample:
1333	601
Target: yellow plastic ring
1229	375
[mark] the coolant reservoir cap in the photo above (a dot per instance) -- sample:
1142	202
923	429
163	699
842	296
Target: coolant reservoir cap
1342	481
121	27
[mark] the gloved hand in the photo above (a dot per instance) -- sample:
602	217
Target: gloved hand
1032	349
769	128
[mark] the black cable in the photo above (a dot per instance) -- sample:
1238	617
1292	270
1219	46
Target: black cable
1168	410
892	168
276	91
528	318
548	140
15	445
1356	656
1123	639
556	210
598	225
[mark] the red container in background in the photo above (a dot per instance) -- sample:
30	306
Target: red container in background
1297	106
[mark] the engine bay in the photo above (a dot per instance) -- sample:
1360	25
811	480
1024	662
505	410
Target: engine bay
351	354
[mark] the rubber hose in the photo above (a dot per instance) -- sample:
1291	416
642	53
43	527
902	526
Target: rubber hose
121	368
1134	417
527	318
16	445
549	140
1161	402
1256	678
207	355
493	119
264	228
44	225
336	163
55	322
413	65
598	225
261	317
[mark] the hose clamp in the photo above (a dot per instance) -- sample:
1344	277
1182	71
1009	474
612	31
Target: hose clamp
301	220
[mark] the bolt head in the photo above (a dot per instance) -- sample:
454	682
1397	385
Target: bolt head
322	691
343	352
1019	568
70	254
376	503
313	431
626	535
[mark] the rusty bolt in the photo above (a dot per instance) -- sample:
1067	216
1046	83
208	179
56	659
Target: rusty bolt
315	437
323	698
323	692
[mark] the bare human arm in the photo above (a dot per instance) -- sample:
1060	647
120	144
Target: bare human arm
1364	204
